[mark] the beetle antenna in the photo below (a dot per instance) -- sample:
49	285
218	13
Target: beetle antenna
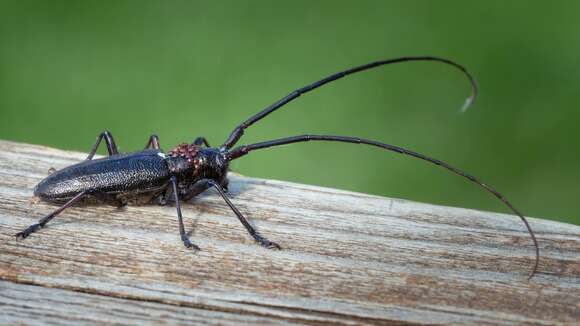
245	149
237	133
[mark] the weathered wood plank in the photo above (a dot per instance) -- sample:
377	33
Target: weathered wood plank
37	305
348	258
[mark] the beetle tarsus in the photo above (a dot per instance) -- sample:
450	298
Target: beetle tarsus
187	243
28	231
266	243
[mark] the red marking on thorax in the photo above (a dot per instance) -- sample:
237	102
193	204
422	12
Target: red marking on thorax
187	151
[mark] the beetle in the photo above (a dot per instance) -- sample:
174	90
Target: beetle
188	170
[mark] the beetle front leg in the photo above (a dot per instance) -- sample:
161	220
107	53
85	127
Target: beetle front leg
111	146
260	239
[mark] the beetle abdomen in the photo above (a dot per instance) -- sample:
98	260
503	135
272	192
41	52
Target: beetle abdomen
133	172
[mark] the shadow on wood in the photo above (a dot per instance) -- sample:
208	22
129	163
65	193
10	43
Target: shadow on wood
348	258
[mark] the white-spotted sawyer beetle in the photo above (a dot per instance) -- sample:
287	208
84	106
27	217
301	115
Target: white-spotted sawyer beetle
188	170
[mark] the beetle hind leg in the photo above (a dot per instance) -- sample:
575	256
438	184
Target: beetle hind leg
42	222
111	145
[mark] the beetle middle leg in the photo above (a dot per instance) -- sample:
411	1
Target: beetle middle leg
186	242
42	222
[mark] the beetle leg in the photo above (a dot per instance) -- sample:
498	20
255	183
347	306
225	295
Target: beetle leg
110	199
194	190
201	140
184	238
37	226
260	239
153	142
111	146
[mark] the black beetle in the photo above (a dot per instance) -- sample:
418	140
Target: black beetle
190	169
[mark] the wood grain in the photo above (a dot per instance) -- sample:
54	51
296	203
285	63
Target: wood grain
348	258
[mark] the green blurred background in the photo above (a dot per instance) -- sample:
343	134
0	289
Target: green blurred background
70	69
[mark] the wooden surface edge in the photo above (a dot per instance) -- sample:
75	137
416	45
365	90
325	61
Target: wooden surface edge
348	258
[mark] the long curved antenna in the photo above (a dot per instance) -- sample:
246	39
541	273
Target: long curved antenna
245	149
239	130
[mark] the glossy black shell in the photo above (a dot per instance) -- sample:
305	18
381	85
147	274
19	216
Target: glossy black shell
138	172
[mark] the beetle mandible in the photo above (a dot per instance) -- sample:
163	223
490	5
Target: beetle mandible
151	175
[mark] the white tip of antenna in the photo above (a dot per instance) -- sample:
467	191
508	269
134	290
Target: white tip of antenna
466	105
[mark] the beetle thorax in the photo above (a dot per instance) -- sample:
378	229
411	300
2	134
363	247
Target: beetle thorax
192	162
